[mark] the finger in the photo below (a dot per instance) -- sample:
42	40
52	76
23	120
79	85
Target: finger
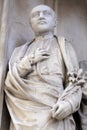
42	53
55	107
53	110
42	50
57	112
45	57
61	116
45	52
39	49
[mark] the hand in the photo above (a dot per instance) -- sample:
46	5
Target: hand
61	110
41	55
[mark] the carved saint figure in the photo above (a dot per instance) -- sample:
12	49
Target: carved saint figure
41	90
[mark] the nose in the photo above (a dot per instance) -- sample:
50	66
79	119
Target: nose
41	15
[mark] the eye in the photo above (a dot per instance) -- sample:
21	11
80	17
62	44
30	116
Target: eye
47	13
36	14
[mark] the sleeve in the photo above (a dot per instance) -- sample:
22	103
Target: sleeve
71	57
24	66
83	108
22	63
69	104
74	99
71	96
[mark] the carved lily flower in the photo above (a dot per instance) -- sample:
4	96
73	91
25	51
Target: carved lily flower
78	78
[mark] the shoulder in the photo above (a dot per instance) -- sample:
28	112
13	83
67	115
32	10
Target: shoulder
71	54
17	49
65	43
21	48
19	52
68	52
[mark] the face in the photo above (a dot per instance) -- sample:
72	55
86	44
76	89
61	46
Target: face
42	19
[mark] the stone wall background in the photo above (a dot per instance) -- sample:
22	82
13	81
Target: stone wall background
72	23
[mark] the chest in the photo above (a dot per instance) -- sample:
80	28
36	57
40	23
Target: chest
54	64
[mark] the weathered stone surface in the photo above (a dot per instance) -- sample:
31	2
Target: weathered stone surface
72	23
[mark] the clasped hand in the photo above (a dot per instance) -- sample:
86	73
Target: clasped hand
27	62
61	110
40	55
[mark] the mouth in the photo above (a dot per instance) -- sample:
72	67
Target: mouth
41	22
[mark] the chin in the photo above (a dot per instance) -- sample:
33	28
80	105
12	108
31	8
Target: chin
42	30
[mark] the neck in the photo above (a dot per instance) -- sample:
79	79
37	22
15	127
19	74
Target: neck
44	34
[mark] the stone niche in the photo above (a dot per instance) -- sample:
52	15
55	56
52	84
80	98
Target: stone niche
72	23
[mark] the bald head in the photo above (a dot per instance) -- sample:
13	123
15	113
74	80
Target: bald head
42	19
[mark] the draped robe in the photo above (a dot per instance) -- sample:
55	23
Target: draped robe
31	96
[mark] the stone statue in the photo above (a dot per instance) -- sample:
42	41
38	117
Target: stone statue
83	108
42	85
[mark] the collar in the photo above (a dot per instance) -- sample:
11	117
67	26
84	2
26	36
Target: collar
44	37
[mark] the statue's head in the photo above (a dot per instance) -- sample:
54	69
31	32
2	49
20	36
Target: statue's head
42	19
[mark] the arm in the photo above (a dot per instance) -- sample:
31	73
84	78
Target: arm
70	100
25	65
68	103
